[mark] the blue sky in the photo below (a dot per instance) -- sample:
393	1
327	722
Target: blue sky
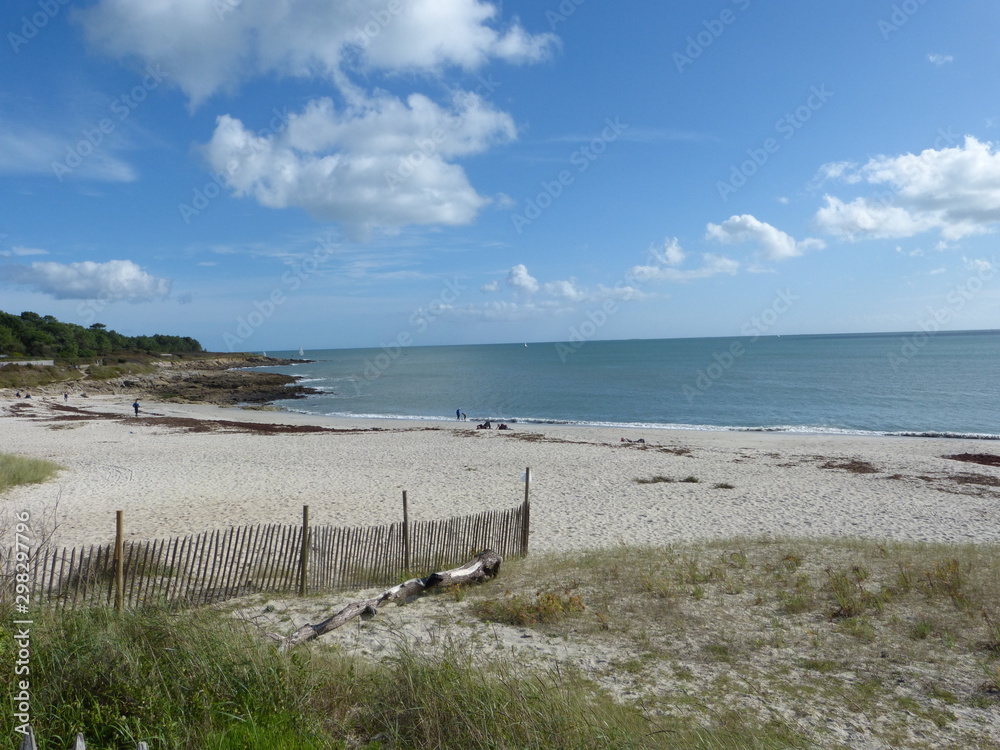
264	174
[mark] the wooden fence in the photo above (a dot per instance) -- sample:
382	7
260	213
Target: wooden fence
29	742
221	564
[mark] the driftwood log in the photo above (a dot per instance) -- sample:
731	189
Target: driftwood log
482	567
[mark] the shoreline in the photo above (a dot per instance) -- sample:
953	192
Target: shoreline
178	469
538	423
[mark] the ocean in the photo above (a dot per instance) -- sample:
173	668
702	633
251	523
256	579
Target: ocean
926	384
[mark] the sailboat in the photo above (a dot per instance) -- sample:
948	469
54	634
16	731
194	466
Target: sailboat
301	353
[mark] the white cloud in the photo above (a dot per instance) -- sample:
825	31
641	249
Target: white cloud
378	162
213	45
839	170
521	280
567	290
940	59
672	253
865	217
374	161
712	266
667	261
533	299
773	243
954	190
113	280
980	265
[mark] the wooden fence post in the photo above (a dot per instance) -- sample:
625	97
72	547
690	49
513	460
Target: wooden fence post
526	518
406	535
119	562
304	560
213	564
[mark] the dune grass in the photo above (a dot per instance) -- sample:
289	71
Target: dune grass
107	372
15	470
201	680
781	636
762	644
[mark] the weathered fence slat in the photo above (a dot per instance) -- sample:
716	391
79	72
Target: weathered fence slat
216	564
29	743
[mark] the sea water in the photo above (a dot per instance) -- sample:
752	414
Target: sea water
903	383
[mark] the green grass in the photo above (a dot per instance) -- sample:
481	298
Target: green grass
26	377
544	607
15	470
167	679
106	372
716	646
815	628
201	680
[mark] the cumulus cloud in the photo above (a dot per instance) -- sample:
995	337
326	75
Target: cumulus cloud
773	243
113	280
567	290
874	219
666	265
954	190
532	299
519	279
213	45
378	162
672	253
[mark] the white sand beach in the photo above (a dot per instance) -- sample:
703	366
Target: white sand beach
171	476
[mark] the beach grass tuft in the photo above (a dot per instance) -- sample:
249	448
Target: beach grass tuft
658	479
201	679
520	609
742	643
15	470
820	631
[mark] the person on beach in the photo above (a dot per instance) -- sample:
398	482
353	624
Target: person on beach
135	405
458	414
464	418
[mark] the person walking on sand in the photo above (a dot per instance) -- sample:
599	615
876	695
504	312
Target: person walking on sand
135	405
458	413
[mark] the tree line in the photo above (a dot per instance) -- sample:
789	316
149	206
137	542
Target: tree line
32	335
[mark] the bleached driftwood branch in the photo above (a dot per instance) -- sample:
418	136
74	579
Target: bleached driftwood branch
482	567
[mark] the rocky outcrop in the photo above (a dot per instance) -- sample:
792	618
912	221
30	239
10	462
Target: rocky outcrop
215	379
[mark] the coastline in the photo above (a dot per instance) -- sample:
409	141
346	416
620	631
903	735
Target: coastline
207	377
181	468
